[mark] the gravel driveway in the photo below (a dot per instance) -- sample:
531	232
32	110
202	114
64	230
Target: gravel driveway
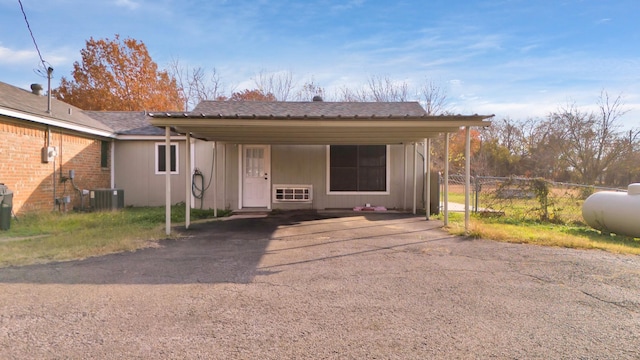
294	286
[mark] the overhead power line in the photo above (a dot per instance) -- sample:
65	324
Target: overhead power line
32	37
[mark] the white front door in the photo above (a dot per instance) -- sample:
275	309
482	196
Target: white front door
256	177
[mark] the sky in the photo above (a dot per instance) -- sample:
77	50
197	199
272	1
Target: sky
512	58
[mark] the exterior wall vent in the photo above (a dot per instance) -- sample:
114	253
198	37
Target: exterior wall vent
106	199
293	193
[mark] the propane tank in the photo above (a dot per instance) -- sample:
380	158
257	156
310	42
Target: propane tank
614	212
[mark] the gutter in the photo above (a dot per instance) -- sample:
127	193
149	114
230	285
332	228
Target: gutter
56	123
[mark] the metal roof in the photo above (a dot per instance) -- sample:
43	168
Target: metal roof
322	123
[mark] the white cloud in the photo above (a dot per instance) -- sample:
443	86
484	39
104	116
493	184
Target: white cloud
16	57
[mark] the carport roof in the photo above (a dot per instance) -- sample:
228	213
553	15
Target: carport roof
317	122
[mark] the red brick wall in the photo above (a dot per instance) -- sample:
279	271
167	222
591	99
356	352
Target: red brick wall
31	181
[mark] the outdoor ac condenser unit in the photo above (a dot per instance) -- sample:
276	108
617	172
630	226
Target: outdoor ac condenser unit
106	199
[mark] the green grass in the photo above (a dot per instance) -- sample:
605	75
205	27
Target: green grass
507	229
46	237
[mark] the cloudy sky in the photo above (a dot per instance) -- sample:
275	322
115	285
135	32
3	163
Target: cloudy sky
512	58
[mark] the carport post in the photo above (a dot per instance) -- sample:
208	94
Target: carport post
415	175
467	178
187	199
446	179
215	181
427	167
167	180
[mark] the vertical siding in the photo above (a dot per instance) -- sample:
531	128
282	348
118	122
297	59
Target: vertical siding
135	173
307	164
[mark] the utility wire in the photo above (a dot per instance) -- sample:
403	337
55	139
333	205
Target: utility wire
32	37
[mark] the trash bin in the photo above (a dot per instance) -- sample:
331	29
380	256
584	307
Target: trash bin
6	206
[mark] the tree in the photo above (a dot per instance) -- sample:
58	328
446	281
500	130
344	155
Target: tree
196	84
279	84
591	141
434	98
119	75
251	95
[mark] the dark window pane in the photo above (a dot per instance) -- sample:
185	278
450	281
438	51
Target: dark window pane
161	158
358	168
344	179
344	155
104	154
173	158
372	178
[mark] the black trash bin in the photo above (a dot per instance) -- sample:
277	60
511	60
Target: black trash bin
6	206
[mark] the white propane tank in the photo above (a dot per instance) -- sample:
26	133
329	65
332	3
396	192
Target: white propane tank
614	212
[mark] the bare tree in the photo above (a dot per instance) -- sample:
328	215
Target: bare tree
591	142
309	91
195	84
280	84
383	89
433	98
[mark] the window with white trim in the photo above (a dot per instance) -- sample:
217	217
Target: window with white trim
358	168
161	158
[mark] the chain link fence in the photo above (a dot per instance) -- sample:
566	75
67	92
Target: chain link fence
524	199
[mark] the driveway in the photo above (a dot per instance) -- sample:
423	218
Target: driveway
303	285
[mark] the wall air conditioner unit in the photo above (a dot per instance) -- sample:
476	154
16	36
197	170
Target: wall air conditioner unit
106	199
293	193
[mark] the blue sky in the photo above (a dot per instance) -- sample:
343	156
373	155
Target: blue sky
506	57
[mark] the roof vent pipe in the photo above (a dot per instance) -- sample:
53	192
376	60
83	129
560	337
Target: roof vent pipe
317	98
36	89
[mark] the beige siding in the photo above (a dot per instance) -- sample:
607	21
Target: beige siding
135	173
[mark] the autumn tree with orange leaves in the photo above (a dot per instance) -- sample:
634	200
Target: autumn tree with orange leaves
119	75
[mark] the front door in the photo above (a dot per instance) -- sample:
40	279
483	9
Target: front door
256	164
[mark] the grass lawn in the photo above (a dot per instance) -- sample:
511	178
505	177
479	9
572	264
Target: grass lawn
572	234
55	236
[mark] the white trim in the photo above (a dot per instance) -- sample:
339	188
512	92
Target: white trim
387	170
56	123
155	165
149	137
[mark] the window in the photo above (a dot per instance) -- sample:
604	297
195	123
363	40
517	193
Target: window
104	154
161	158
358	168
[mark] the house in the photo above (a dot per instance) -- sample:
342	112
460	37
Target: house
50	151
312	155
223	154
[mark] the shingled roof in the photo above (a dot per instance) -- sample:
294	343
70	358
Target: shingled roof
127	122
317	122
25	105
308	109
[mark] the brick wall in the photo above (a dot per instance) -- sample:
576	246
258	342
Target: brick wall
32	181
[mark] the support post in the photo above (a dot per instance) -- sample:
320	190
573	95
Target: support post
415	175
467	178
427	167
188	182
215	179
167	181
446	179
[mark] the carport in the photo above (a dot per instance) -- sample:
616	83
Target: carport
318	123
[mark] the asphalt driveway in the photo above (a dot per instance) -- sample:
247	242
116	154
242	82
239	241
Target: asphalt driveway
303	285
